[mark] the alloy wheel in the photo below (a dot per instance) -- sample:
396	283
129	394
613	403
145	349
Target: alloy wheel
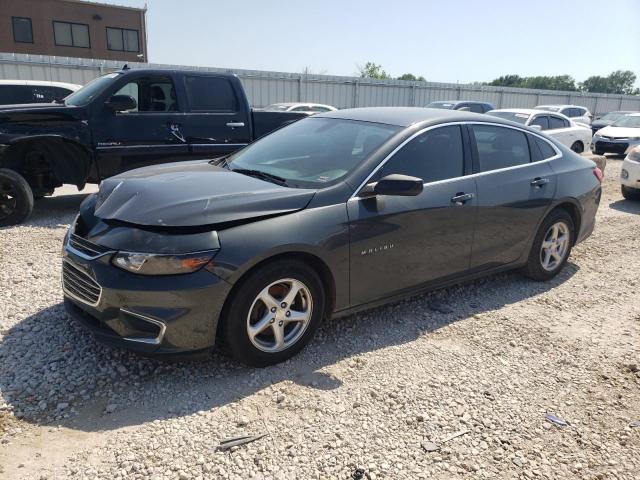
279	315
554	246
8	201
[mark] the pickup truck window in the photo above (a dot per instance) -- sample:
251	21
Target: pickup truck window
152	94
91	90
313	152
210	94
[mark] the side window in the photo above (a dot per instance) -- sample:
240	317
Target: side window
211	94
15	94
152	94
58	93
318	108
545	149
476	108
500	147
301	109
541	120
557	122
434	155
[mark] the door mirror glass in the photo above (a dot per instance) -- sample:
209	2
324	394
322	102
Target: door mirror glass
395	185
121	103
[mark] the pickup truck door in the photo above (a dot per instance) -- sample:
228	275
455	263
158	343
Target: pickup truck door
218	121
145	135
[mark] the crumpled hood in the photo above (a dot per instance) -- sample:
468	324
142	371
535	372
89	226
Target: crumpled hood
619	132
190	194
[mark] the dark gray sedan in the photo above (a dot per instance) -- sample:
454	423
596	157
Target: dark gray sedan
335	213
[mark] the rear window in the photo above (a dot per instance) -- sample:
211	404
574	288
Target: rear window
500	147
211	94
545	149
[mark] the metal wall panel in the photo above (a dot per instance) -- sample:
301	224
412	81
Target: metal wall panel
264	88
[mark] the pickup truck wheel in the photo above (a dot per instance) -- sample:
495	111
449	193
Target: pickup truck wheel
630	193
16	198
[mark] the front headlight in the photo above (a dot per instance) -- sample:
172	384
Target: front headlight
160	264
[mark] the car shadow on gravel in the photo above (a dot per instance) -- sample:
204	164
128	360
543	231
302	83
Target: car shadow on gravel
52	372
52	212
626	206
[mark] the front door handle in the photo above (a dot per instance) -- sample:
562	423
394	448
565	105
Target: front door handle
461	198
539	182
235	124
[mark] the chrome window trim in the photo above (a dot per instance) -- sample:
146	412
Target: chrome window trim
473	175
151	341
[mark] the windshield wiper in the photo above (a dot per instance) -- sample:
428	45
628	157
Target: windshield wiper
261	175
221	162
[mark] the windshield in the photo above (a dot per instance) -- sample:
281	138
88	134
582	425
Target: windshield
613	116
447	105
548	108
628	121
277	107
313	152
90	90
513	116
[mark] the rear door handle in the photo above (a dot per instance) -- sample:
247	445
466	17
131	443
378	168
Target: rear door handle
235	124
461	198
539	182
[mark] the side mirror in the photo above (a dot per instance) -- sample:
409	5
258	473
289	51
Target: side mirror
464	109
121	103
536	127
394	185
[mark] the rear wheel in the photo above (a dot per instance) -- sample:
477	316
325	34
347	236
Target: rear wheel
16	198
273	313
551	246
630	193
577	147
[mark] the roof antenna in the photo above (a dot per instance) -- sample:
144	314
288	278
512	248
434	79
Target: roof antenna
126	67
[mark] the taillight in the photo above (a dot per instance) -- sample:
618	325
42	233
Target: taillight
598	174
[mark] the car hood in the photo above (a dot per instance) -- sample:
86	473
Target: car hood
32	106
619	132
191	194
601	123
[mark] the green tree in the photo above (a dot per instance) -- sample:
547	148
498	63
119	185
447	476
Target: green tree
507	81
558	82
373	70
411	77
620	82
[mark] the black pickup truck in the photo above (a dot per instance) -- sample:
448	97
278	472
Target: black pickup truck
122	120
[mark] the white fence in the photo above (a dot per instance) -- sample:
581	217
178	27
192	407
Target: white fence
264	88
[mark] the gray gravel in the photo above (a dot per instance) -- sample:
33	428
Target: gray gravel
403	391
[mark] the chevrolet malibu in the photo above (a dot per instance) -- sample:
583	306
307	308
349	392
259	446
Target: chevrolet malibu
336	213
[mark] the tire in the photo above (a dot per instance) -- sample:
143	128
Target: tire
599	152
577	147
246	310
535	267
630	193
16	198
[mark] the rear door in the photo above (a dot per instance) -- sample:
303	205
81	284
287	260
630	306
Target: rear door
218	120
401	242
515	189
144	135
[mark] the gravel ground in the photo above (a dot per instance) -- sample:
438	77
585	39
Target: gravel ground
401	392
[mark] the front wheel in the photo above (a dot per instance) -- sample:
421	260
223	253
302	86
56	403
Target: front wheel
551	247
16	198
273	313
630	193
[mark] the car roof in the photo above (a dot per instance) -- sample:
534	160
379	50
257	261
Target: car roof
291	104
528	111
42	83
558	105
455	102
407	116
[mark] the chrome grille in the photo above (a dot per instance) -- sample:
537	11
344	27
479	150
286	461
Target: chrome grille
80	286
89	249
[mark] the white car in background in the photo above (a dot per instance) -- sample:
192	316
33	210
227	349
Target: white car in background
16	92
576	137
620	137
630	175
575	112
309	108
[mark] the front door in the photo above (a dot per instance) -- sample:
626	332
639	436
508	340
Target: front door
514	193
145	135
397	243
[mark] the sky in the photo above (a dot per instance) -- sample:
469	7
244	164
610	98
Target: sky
443	40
